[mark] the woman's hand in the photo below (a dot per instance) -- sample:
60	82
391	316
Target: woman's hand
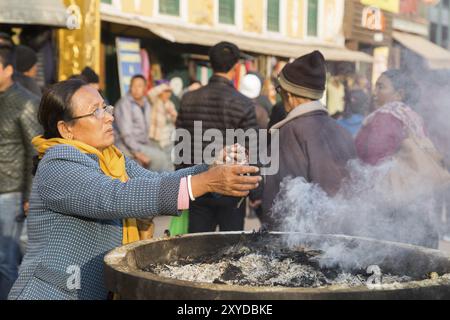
228	180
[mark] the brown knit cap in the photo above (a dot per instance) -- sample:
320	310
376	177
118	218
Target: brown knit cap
305	76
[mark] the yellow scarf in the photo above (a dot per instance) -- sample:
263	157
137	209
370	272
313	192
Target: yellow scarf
112	163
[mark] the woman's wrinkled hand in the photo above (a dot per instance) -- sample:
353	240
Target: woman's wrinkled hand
228	180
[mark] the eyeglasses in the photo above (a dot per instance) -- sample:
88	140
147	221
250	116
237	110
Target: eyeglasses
99	113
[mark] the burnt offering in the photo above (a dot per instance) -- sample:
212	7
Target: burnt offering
262	265
247	266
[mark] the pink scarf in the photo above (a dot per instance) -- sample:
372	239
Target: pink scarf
410	119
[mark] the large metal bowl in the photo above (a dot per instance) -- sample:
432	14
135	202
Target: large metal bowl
124	275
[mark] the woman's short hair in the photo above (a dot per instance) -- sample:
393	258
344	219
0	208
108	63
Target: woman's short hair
56	105
404	84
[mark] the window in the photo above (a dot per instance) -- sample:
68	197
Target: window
313	15
169	7
227	11
433	32
273	15
444	37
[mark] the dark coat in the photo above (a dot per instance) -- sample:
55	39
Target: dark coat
312	146
28	83
18	126
218	106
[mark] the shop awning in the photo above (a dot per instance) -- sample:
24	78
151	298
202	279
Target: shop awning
436	57
253	43
37	12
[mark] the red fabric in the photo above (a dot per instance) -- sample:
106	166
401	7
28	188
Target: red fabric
380	138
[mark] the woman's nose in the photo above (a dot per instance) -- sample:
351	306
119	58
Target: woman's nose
108	117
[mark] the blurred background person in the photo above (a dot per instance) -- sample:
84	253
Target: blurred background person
132	126
356	109
335	95
262	99
163	117
18	125
92	78
26	69
251	88
270	92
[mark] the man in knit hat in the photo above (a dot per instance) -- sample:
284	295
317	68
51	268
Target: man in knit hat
312	144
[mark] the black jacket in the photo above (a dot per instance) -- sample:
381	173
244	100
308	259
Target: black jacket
218	106
28	83
18	126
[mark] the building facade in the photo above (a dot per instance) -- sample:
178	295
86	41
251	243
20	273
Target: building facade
396	32
317	21
439	23
178	33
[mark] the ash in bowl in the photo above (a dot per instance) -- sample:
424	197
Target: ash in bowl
269	266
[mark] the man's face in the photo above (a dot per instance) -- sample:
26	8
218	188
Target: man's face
284	97
137	89
5	74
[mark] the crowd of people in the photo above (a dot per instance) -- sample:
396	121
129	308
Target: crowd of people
88	177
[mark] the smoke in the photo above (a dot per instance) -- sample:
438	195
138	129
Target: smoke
363	207
434	107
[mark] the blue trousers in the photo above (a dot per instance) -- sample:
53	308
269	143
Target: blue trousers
11	223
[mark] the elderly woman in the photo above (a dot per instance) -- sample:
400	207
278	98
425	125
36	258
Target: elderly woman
86	195
395	133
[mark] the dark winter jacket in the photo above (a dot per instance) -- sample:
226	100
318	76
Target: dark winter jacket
18	126
313	146
218	106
